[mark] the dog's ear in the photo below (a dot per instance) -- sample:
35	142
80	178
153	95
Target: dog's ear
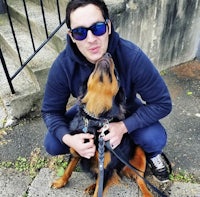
83	89
77	124
118	110
119	104
120	97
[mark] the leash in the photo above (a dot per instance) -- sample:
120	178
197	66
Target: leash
101	146
123	160
101	166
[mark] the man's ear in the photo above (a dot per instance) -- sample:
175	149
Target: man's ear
109	27
70	34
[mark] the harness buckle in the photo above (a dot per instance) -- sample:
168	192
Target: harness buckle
85	128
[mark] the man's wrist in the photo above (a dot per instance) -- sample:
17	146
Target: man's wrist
66	139
123	127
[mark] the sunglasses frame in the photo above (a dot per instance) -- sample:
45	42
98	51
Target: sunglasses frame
85	30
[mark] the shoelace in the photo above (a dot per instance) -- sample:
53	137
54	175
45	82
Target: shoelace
157	161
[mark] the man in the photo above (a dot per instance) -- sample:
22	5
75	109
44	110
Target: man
91	35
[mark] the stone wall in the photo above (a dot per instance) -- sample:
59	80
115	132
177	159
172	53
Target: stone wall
167	30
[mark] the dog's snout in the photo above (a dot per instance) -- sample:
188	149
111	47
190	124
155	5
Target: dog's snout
104	64
107	55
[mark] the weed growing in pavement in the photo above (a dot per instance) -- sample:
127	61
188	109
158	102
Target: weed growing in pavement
21	164
59	163
183	176
32	165
25	195
6	164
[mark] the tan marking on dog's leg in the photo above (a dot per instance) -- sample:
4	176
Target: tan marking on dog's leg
96	188
114	180
90	190
139	162
62	181
107	159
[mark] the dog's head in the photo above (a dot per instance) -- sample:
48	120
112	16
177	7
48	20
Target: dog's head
102	87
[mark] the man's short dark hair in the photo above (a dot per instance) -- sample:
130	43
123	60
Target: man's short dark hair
74	4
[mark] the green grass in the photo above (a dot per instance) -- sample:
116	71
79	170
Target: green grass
183	176
32	165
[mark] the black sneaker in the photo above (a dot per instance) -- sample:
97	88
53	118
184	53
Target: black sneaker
159	169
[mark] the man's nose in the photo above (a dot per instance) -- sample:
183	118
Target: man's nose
90	36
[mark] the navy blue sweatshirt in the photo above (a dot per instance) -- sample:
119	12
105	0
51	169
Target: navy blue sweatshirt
137	76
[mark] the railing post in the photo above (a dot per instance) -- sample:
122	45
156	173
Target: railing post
2	7
6	72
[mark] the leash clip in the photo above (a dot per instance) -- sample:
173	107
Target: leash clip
103	129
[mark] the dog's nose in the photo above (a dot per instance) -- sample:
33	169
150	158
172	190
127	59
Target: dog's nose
107	55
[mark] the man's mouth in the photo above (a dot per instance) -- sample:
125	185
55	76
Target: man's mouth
94	49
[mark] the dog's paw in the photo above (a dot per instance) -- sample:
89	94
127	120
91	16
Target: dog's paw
58	183
90	190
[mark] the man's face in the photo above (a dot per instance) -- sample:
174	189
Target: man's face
92	47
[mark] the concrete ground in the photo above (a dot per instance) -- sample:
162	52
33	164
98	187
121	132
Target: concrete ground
183	128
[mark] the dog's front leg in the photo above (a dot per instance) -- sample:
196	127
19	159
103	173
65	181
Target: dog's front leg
138	161
62	181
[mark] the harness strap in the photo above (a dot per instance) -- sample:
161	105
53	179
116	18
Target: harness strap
107	144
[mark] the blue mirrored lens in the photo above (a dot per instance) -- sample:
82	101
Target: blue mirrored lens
79	33
97	29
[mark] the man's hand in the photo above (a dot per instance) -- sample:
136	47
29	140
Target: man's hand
82	143
116	132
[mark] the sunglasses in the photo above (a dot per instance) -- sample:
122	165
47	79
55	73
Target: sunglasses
98	29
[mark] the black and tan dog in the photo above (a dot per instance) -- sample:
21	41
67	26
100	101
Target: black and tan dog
102	102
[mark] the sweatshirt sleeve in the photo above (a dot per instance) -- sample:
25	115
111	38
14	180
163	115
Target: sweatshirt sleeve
151	87
55	99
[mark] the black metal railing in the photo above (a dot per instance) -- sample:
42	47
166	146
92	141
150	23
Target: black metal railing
35	50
